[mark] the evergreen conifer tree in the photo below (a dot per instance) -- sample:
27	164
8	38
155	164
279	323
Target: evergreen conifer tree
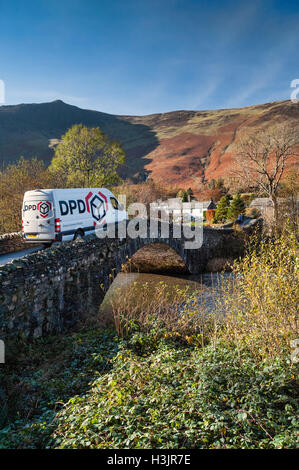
222	209
236	207
185	197
189	194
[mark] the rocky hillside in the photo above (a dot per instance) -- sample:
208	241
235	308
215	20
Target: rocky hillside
178	147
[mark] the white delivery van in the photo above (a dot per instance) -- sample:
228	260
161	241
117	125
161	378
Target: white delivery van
51	215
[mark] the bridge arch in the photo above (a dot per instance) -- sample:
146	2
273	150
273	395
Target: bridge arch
157	257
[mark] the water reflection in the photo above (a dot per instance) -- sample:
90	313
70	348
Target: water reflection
204	285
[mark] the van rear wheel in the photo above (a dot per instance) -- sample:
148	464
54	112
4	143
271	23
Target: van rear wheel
79	234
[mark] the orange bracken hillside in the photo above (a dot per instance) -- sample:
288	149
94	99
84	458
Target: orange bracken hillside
201	144
179	147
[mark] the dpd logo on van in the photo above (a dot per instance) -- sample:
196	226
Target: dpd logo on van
44	207
97	205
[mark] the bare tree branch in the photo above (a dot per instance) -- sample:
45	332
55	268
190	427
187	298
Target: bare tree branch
262	158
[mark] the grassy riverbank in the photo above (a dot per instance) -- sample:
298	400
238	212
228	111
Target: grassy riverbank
170	378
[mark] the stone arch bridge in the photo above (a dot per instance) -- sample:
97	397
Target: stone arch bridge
49	291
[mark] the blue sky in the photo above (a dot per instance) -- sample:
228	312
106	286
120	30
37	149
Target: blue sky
147	56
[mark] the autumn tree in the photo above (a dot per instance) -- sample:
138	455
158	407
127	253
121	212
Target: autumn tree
87	157
217	184
262	159
146	193
14	181
180	193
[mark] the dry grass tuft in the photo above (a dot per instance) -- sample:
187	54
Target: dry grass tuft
175	312
261	302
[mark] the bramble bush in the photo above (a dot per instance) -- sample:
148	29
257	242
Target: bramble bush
174	397
183	398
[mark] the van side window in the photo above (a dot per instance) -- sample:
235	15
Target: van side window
114	203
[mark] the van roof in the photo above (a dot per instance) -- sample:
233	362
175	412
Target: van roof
47	191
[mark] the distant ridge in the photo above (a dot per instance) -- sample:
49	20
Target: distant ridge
177	147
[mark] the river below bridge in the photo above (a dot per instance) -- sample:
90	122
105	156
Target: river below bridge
206	287
157	263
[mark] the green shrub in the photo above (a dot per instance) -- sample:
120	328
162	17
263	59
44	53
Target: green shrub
252	212
247	198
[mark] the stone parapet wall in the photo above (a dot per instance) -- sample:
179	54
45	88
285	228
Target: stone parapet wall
11	242
49	291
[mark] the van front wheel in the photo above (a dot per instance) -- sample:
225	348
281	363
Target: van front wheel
79	234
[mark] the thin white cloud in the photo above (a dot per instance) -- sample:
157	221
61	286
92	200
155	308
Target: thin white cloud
209	89
262	78
265	75
236	21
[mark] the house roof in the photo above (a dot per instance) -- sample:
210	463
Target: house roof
261	202
176	202
208	205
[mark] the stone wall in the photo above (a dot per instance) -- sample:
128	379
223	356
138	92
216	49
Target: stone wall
11	242
49	291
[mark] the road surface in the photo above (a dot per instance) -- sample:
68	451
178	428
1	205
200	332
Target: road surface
7	257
